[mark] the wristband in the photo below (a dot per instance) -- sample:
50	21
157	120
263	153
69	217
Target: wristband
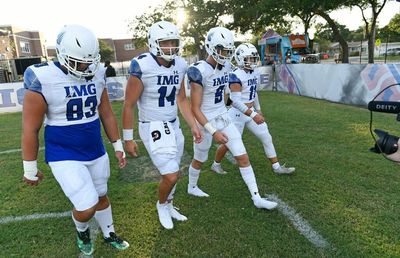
253	114
210	128
30	170
118	147
127	134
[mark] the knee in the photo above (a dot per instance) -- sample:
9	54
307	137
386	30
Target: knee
243	160
85	215
103	203
170	179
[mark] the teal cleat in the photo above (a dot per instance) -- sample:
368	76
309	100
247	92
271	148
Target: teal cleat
116	242
84	242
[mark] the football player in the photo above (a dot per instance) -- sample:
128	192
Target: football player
246	110
72	98
208	79
156	85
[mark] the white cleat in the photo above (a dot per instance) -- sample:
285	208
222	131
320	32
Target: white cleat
173	211
284	170
218	169
262	203
164	215
196	191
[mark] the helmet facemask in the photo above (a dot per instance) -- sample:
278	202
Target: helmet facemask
168	53
247	56
160	32
73	66
222	54
251	61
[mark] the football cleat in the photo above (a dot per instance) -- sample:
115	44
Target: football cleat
218	169
173	211
84	242
284	170
262	203
164	215
116	241
196	191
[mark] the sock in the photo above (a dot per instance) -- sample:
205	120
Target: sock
171	194
250	180
80	226
276	165
194	175
104	218
217	163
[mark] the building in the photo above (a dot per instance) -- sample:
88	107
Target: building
124	49
17	43
19	48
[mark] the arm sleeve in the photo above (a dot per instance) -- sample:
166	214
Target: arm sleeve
237	103
31	82
194	75
257	103
134	69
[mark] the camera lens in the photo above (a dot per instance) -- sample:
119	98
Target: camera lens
387	143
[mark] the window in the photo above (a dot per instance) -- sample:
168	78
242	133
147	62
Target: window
25	47
129	46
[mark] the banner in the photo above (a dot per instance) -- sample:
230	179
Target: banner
12	94
343	83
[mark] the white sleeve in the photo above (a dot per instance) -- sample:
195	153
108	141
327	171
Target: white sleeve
236	98
257	103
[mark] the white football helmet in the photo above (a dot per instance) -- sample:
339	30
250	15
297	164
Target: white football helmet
246	56
161	31
78	45
218	39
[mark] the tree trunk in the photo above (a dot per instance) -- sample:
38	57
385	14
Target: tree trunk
338	36
371	42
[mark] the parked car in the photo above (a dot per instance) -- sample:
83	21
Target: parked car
393	51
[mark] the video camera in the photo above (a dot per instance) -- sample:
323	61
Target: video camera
386	144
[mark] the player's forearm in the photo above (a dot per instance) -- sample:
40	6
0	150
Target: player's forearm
127	116
199	116
186	112
30	144
111	127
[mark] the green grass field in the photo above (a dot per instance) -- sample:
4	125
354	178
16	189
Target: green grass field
349	196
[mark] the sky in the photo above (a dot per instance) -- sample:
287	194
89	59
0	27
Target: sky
111	20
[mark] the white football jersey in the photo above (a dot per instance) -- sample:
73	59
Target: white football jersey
72	125
160	86
248	81
214	82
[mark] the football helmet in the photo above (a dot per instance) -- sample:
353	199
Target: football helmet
78	45
246	56
161	31
220	39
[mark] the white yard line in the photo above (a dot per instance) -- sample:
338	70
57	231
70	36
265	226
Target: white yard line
299	223
16	150
93	225
9	219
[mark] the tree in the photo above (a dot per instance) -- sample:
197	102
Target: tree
202	15
140	25
106	51
370	24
